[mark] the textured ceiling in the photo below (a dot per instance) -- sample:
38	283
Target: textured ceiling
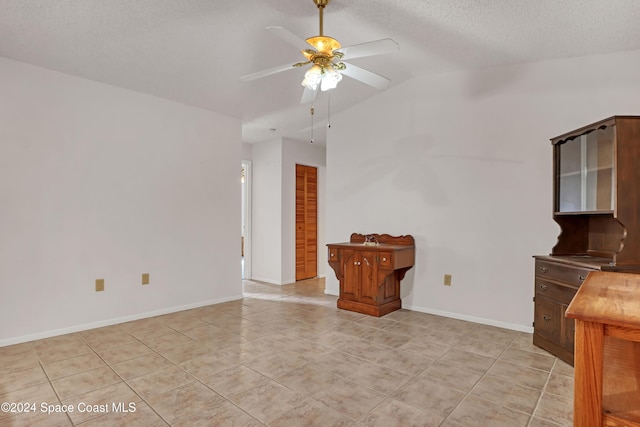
194	51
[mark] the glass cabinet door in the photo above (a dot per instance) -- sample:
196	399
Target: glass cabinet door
585	180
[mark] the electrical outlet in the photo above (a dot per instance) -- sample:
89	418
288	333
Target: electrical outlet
447	280
99	285
145	278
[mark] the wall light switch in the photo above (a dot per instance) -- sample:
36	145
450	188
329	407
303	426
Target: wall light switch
99	285
447	280
145	278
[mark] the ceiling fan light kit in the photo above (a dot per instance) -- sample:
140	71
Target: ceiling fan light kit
327	77
325	58
324	71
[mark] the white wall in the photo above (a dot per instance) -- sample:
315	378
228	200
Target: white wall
247	151
274	192
462	161
101	182
266	216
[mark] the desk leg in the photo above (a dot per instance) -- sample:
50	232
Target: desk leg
589	345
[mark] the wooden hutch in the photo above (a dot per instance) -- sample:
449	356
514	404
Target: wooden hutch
596	203
370	269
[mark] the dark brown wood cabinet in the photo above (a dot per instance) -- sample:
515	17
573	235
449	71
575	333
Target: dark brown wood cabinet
596	203
370	275
557	278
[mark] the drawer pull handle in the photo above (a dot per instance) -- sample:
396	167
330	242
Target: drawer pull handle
546	318
543	286
384	259
581	277
544	269
332	255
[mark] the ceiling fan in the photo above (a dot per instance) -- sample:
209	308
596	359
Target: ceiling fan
326	58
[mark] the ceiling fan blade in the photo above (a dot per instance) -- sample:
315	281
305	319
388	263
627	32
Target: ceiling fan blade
308	95
289	37
376	47
365	76
265	73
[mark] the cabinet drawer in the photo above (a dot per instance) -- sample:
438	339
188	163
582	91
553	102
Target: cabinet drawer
385	259
562	273
554	291
333	254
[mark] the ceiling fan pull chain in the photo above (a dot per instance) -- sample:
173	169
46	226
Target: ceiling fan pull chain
312	111
329	111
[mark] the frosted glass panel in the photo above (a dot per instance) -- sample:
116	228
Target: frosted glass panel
586	167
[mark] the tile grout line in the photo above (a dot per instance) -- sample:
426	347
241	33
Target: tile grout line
50	381
555	362
196	379
468	393
119	376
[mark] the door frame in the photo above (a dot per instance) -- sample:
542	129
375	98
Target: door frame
246	214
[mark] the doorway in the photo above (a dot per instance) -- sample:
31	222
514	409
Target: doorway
306	222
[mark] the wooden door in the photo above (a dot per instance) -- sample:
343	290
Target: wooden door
306	222
368	285
351	281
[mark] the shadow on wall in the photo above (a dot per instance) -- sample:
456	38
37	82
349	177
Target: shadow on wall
410	168
406	167
408	284
413	169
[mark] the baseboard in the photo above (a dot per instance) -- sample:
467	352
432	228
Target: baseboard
266	280
276	282
474	319
114	321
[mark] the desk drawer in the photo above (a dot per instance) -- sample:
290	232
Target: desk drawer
385	259
562	273
560	293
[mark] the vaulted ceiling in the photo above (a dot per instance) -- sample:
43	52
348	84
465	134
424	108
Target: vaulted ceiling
195	51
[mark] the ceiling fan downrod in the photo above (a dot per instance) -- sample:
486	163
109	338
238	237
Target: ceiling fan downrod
321	5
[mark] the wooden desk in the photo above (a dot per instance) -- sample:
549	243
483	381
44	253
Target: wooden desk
370	275
607	353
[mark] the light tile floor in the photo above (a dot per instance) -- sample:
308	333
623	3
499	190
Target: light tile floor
286	356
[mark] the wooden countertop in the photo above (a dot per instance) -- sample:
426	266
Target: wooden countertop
608	298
